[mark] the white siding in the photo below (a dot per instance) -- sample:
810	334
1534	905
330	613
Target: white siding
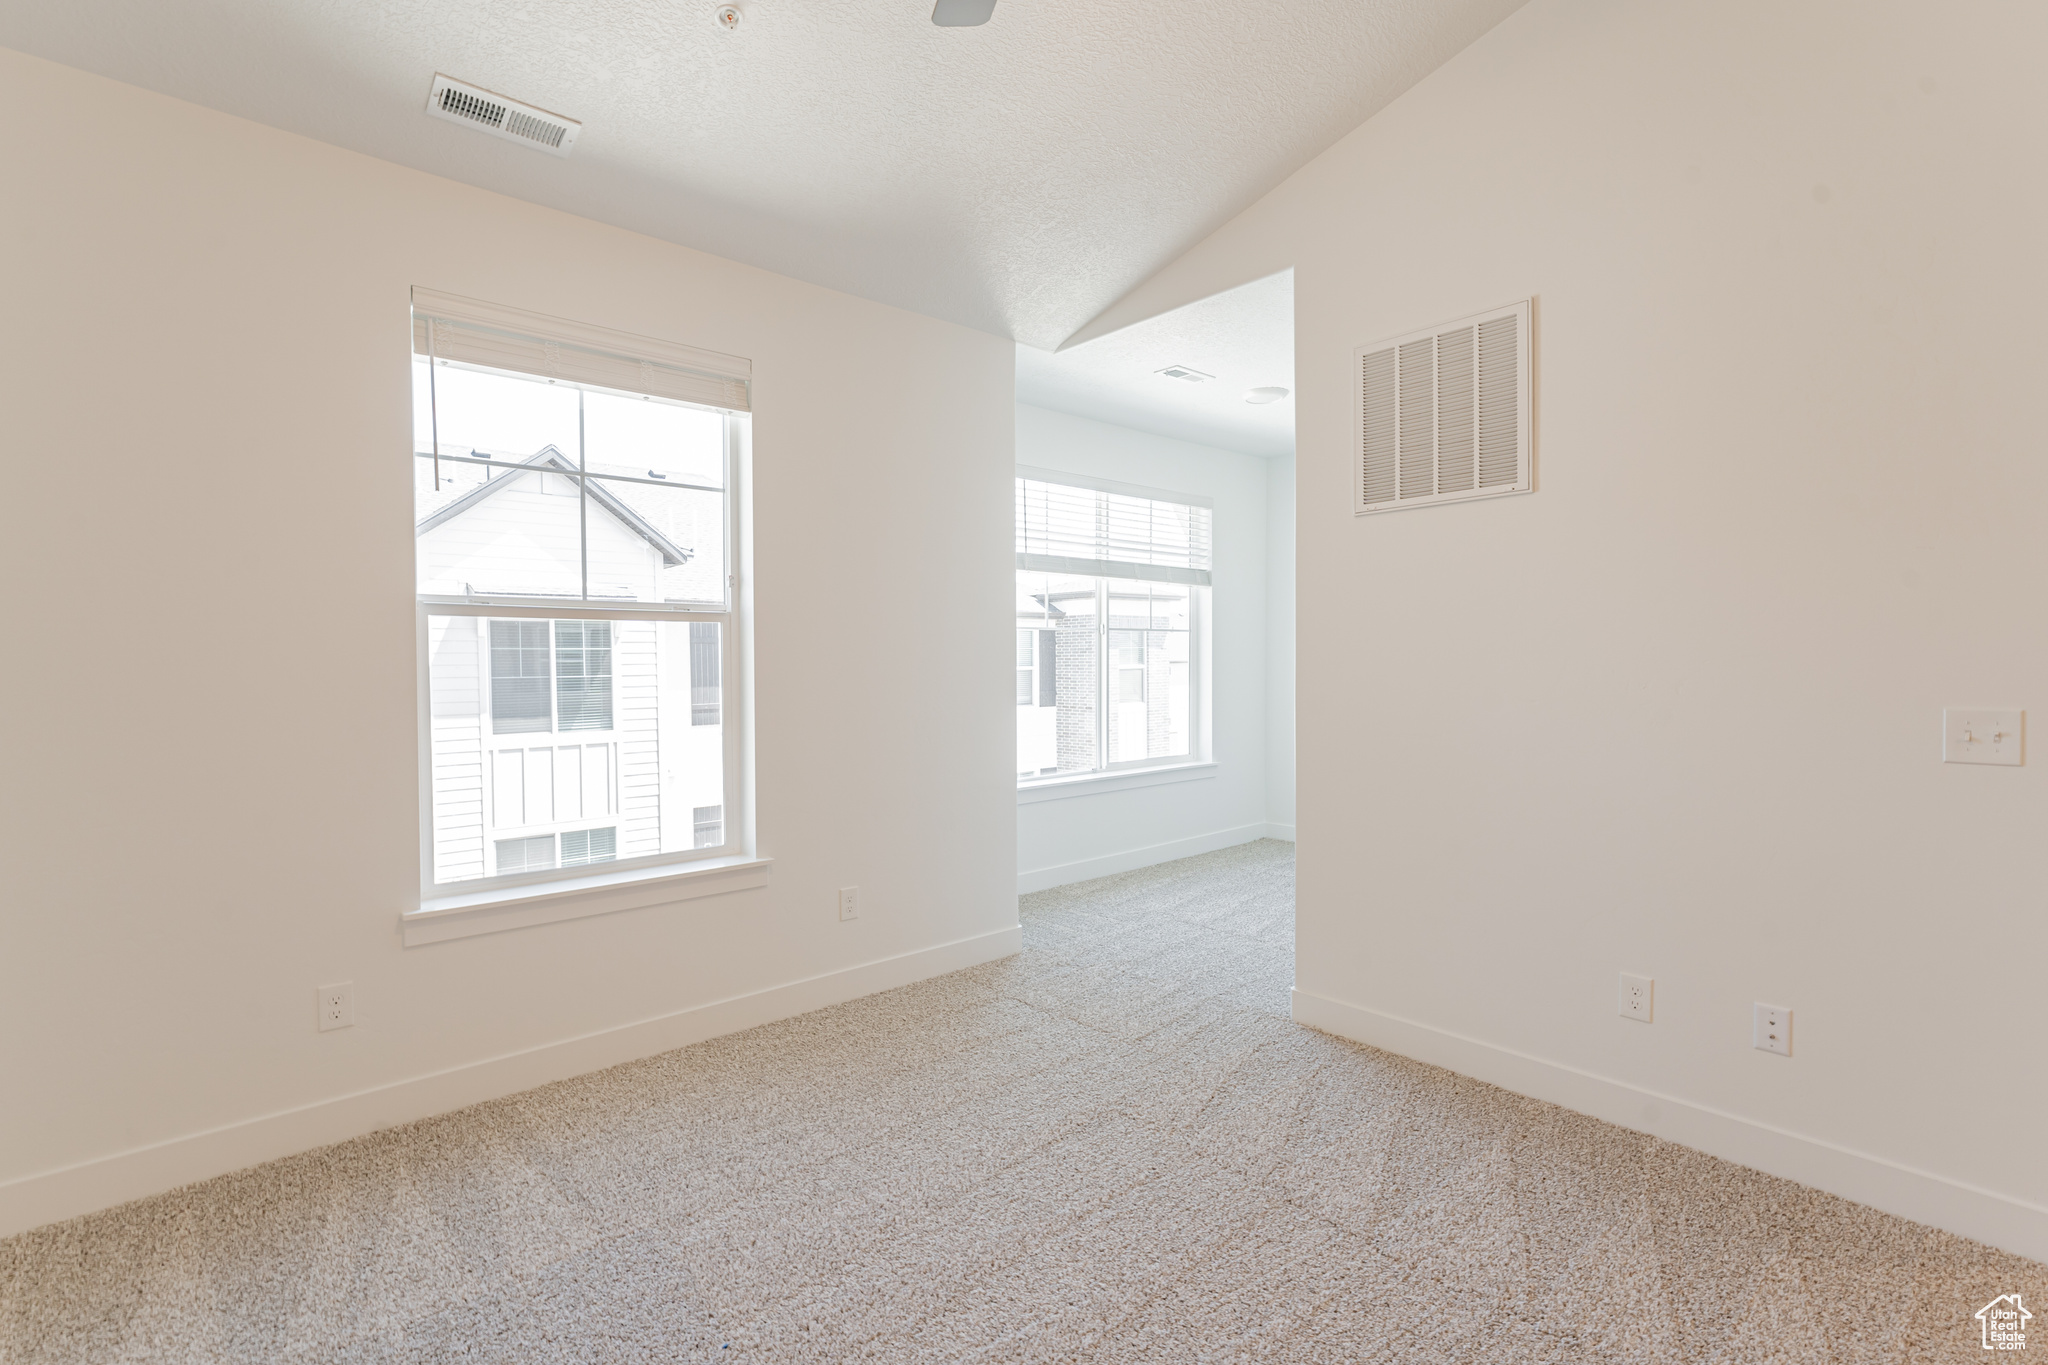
636	686
692	769
538	781
455	670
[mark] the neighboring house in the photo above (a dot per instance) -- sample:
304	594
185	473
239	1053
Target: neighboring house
1038	690
1060	675
563	742
530	543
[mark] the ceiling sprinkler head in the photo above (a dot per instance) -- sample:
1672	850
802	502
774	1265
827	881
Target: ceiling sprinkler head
1269	395
728	17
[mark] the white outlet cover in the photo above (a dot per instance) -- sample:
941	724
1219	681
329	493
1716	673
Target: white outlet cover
1983	736
1771	1029
849	902
336	1005
1638	997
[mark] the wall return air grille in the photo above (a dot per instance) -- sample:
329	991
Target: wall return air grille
492	113
1443	414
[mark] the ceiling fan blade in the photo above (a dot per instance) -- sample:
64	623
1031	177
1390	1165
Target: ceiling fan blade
962	13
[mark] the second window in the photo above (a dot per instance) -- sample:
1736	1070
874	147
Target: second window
1112	599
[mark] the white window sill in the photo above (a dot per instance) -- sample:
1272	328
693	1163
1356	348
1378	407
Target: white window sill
1059	788
487	912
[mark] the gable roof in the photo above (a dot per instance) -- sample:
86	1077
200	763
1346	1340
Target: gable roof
550	458
1035	606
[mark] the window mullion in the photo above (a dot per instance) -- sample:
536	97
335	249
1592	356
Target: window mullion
582	498
1101	675
732	713
433	403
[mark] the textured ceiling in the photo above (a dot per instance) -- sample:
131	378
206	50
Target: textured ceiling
1244	337
1018	177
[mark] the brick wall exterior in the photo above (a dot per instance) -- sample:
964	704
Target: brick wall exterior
1076	675
1079	674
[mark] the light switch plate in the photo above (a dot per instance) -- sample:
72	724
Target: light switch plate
1979	736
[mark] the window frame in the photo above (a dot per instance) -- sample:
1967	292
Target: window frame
1200	598
734	693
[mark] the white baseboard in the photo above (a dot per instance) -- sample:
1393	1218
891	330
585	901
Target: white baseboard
2002	1221
69	1191
1280	832
1112	863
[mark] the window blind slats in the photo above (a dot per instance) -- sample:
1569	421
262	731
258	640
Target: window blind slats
1066	528
535	854
590	845
519	677
583	675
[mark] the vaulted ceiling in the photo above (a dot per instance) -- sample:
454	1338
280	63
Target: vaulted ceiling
1017	177
1236	341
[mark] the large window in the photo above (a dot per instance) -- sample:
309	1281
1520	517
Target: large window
1112	601
574	525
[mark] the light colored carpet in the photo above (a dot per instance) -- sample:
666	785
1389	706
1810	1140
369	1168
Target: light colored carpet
1115	1147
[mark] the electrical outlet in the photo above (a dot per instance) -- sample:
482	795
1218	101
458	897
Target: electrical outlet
337	1006
1636	993
1772	1029
849	902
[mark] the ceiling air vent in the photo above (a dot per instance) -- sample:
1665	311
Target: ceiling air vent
491	113
1443	414
1185	374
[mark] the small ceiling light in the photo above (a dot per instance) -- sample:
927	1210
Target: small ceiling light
728	17
962	13
1269	395
1183	373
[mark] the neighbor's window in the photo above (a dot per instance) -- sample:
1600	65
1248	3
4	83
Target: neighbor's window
1112	599
574	527
704	673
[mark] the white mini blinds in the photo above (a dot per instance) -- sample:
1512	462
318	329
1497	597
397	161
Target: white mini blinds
1067	524
469	332
1443	414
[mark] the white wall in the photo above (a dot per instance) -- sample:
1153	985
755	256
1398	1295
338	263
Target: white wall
1081	836
1280	550
1677	712
211	801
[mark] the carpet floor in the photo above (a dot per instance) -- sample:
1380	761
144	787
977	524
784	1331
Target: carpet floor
1113	1147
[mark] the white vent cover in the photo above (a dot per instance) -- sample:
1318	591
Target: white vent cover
1443	414
492	113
